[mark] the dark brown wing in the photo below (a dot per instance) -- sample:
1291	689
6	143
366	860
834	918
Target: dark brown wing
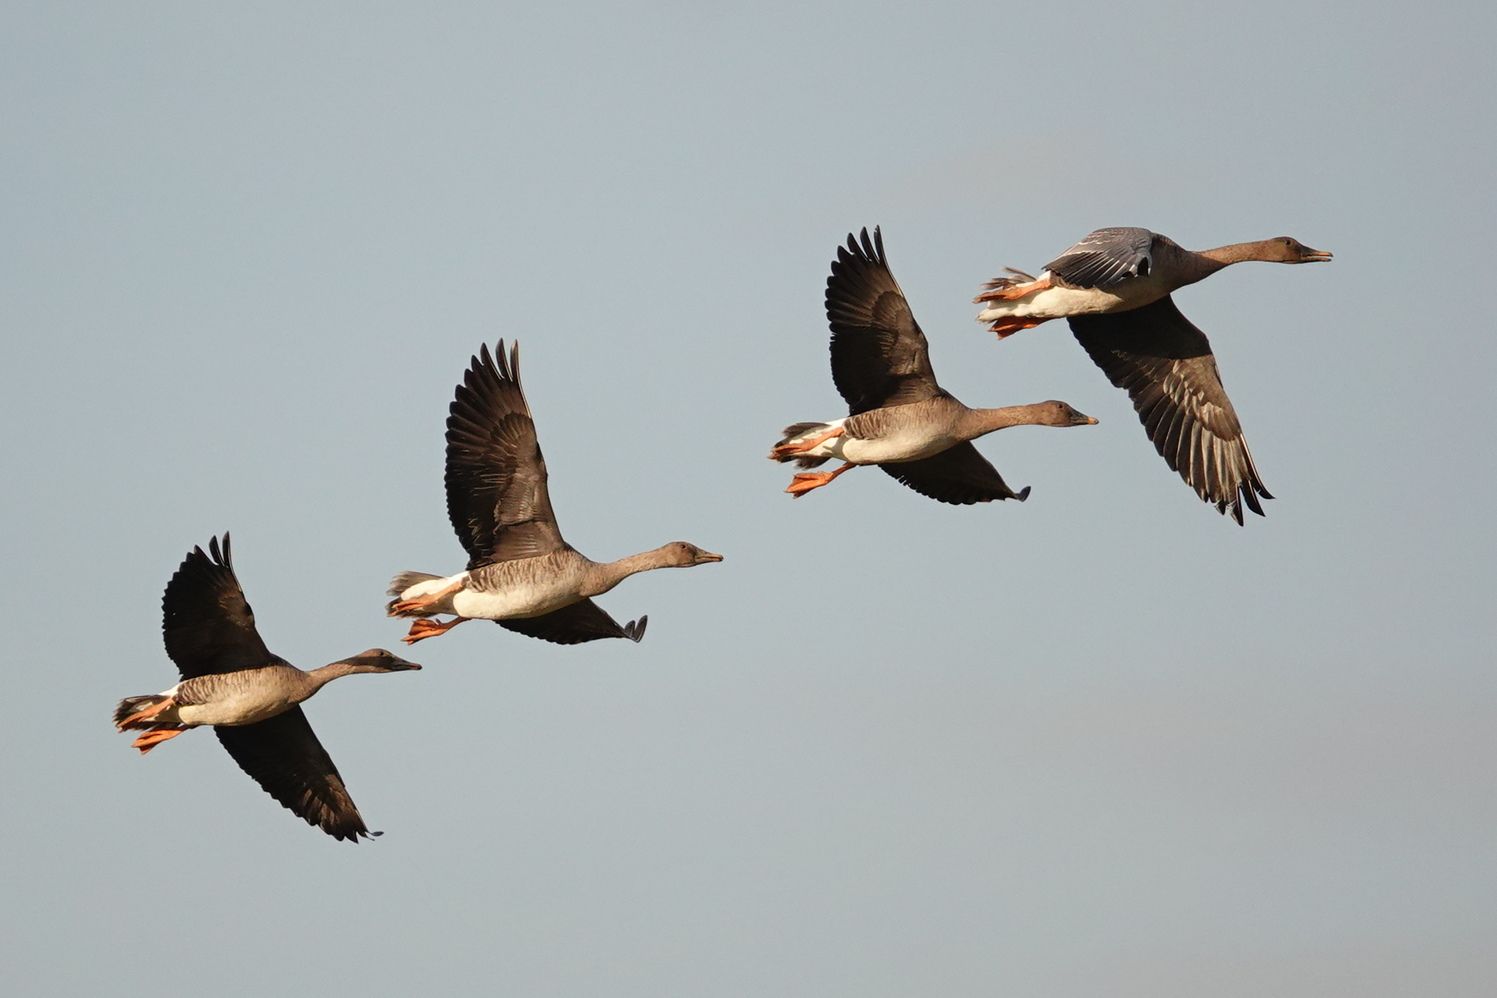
496	478
879	355
205	620
576	623
286	759
960	476
1166	366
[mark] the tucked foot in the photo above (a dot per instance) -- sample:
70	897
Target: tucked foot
144	715
427	628
808	481
782	451
1009	289
151	739
1011	324
422	602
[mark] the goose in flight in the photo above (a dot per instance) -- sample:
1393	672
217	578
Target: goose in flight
899	418
1114	288
521	573
250	696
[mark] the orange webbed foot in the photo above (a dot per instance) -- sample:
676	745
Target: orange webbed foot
1009	325
151	739
144	715
785	450
1009	289
808	481
425	628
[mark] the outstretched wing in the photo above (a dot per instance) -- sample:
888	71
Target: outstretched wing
1166	366
576	623
958	475
879	355
1105	258
496	477
286	759
207	625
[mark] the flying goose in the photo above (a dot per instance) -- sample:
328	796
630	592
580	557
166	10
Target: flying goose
1114	288
233	682
521	573
899	418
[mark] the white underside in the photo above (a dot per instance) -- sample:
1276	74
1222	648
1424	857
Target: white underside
235	708
1056	303
827	448
531	599
1052	303
910	445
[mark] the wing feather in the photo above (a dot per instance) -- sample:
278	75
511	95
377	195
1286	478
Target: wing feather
283	755
206	622
1105	258
959	475
1165	365
576	623
880	356
497	497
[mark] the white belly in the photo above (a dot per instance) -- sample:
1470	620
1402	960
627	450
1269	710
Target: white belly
827	448
894	448
909	443
233	710
1059	302
527	588
509	604
1055	303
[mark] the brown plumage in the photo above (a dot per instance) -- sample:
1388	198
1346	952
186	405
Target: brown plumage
249	695
899	418
1114	287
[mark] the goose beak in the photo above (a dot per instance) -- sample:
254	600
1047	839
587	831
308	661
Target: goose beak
703	557
1315	256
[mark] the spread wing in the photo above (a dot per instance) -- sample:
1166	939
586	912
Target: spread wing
286	759
1105	258
207	624
879	355
1165	364
576	623
496	477
959	475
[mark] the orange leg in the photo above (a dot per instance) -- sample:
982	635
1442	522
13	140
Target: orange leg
421	602
1003	289
809	480
425	628
801	446
151	739
146	714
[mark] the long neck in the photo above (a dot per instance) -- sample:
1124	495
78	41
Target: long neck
973	423
320	677
1204	263
603	576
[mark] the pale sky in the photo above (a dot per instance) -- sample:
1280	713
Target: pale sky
1103	742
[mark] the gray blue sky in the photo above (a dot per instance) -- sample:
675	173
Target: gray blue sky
1104	742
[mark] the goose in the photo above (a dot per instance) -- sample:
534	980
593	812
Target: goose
899	418
521	573
250	696
1114	288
